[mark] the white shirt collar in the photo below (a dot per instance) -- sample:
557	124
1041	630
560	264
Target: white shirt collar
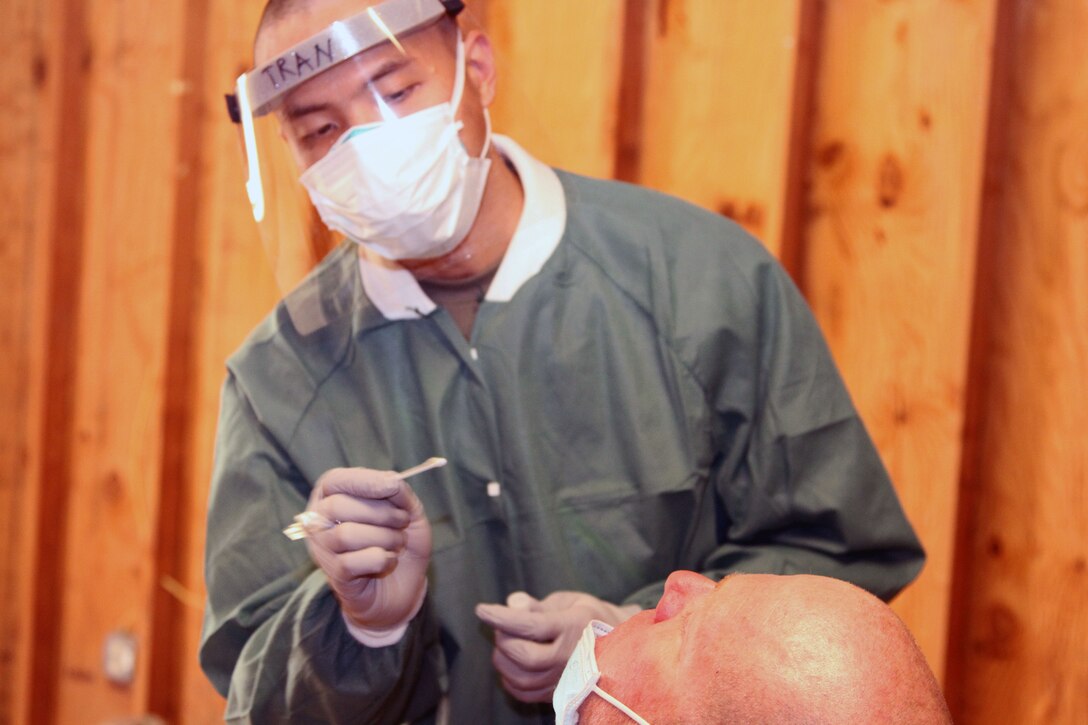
397	295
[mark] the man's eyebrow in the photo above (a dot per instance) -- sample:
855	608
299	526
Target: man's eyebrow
296	112
388	67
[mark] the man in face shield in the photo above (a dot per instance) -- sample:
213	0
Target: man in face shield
624	385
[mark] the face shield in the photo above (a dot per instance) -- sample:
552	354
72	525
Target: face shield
352	127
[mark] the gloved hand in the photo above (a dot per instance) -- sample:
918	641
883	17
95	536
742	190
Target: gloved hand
376	555
534	638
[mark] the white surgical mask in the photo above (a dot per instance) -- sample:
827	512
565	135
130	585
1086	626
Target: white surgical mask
405	187
580	678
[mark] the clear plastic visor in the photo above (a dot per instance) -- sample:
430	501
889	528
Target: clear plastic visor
316	83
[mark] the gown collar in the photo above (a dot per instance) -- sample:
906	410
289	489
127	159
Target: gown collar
397	294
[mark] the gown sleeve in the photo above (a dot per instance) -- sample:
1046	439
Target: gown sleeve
798	486
274	641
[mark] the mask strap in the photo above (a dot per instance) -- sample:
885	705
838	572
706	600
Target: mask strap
620	706
487	136
459	90
459	74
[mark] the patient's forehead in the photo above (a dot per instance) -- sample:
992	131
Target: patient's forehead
792	589
760	621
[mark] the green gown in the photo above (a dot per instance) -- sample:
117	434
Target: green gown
656	396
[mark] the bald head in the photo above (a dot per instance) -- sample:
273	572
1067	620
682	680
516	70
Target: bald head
762	648
840	653
274	11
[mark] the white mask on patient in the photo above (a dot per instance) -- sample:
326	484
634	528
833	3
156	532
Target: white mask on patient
580	678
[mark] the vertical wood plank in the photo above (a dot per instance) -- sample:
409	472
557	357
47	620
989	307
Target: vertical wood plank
559	78
25	94
62	60
891	241
172	659
238	287
1019	649
18	142
724	97
132	127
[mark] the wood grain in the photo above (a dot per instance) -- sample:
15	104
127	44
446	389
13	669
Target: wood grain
25	141
1021	638
559	78
899	143
132	67
238	287
724	95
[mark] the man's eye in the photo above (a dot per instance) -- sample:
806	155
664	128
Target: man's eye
318	133
401	95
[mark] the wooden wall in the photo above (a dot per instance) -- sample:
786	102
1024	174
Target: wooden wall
920	166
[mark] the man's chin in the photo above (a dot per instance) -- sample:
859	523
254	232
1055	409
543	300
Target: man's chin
449	266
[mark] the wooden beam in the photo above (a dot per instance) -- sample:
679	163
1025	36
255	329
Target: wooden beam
131	86
171	659
559	78
29	95
238	287
60	60
725	95
1018	643
897	176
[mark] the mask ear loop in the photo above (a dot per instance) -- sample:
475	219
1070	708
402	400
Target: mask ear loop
620	706
459	74
458	94
487	134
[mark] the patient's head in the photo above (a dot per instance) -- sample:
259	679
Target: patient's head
758	648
